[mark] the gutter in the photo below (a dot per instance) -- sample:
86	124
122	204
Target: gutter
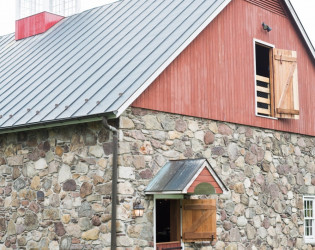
54	123
114	183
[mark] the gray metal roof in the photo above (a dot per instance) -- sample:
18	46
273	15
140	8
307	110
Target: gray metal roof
175	175
95	62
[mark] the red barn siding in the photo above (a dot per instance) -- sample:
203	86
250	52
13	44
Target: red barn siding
214	76
205	176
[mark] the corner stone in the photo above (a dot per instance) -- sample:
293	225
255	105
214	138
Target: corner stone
151	122
125	122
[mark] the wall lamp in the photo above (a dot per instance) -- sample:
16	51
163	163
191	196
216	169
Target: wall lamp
266	27
138	209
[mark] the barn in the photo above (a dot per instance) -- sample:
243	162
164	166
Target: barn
156	124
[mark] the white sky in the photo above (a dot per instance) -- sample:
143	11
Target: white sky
304	8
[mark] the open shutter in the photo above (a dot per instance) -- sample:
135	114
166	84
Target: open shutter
199	220
285	84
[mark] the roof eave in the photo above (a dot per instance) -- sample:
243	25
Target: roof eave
56	123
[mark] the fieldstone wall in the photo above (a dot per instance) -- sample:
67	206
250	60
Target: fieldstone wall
55	184
55	188
267	172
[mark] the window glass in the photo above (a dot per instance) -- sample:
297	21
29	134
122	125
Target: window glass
309	219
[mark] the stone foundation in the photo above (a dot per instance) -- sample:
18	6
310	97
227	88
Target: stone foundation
55	187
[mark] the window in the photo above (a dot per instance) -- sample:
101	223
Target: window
276	82
309	219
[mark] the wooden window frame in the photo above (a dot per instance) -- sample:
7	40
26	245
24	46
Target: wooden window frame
270	46
309	239
281	86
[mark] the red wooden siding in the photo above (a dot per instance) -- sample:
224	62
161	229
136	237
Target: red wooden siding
161	246
205	176
34	25
214	76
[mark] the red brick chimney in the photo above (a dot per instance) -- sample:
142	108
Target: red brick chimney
35	24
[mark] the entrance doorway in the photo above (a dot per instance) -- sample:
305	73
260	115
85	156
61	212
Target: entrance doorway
168	227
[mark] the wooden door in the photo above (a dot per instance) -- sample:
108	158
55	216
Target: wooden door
199	220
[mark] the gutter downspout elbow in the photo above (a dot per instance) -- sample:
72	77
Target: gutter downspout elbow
114	183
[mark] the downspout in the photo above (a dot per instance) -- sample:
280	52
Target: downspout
114	183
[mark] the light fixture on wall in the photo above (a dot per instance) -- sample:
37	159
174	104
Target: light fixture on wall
266	27
138	209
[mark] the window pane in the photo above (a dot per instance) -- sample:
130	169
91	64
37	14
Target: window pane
307	224
309	218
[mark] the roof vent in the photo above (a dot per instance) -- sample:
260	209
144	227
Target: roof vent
37	16
274	6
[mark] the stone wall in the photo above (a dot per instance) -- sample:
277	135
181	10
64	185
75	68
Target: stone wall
267	172
55	188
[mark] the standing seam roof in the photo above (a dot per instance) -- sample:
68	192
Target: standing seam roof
91	63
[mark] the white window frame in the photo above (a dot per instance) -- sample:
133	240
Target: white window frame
309	239
257	41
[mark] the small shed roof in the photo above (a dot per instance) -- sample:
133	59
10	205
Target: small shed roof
177	176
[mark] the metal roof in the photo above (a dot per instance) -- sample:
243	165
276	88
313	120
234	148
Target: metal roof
175	176
97	61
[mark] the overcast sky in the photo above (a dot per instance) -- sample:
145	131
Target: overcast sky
304	8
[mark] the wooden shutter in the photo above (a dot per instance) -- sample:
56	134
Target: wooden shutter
199	220
285	84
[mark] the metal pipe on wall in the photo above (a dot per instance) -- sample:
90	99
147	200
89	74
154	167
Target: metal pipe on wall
114	183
